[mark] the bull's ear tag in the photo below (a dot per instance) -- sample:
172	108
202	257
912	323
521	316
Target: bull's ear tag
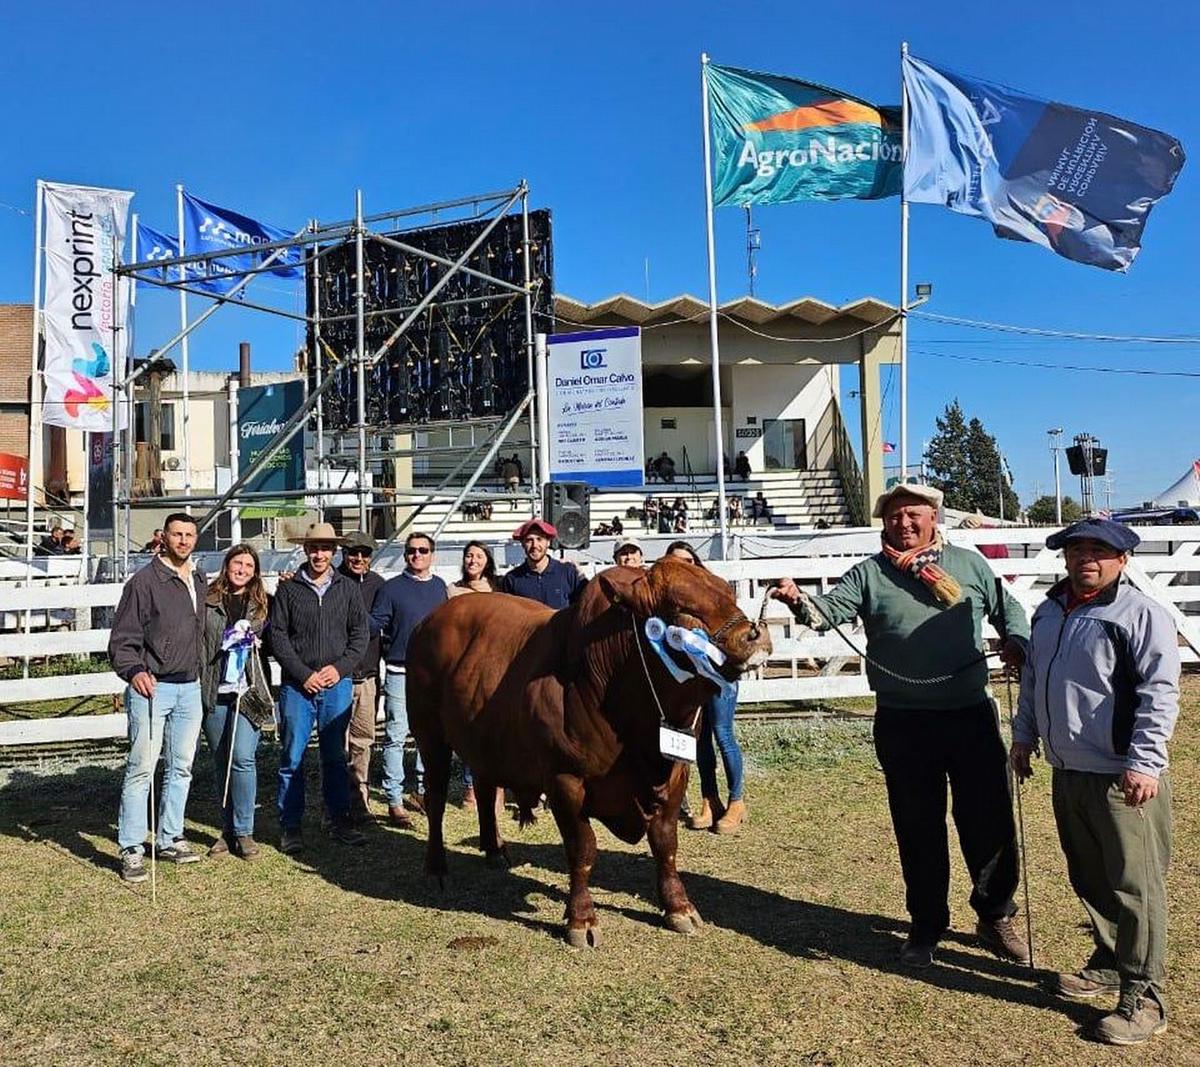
676	744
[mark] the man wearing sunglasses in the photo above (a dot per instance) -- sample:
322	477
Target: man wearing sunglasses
356	566
402	603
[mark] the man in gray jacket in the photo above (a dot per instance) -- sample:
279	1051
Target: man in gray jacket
1100	692
154	646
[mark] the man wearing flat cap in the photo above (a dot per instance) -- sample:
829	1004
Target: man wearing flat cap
1100	694
922	603
549	581
318	636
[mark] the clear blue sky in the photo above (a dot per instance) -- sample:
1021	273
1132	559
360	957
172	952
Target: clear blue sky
282	109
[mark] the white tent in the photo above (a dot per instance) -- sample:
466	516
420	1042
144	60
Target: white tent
1184	493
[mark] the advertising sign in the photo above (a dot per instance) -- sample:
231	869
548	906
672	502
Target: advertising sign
85	308
100	485
262	412
14	477
595	406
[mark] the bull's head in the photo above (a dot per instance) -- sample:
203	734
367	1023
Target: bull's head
682	594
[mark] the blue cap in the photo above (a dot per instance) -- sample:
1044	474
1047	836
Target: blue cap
1115	534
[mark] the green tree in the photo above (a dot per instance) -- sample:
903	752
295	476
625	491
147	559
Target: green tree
949	464
1041	511
990	476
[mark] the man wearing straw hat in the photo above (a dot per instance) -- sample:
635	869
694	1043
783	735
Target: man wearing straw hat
318	636
922	603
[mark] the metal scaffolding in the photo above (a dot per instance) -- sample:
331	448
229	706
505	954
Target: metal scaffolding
318	240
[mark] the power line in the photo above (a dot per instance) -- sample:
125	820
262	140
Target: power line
1004	327
1061	366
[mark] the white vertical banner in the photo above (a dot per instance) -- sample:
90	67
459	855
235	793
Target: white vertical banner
594	402
84	308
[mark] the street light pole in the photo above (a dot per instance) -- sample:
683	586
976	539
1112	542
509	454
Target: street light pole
1055	448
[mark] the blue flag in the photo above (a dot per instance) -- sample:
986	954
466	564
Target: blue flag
1078	182
152	245
207	228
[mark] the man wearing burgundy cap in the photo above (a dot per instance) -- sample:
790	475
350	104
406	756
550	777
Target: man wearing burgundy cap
552	582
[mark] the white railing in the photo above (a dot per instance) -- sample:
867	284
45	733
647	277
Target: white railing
803	665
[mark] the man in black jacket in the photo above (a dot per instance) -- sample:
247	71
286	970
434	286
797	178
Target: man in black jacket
356	566
318	636
154	645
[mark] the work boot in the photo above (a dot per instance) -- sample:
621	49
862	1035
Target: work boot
346	834
219	848
733	818
291	841
246	847
710	812
133	867
469	798
1139	1016
415	802
1001	937
917	954
1080	986
399	818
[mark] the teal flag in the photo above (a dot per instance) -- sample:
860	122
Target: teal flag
778	139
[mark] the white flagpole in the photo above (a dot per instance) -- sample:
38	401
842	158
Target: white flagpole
123	473
183	323
903	276
719	435
35	396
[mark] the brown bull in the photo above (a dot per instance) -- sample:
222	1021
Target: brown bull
558	703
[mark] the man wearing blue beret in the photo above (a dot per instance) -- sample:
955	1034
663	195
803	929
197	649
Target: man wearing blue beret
1100	693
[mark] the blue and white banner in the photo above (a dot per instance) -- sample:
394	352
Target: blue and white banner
1078	182
207	228
153	246
595	406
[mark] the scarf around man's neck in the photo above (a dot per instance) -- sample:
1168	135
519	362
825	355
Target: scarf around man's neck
924	564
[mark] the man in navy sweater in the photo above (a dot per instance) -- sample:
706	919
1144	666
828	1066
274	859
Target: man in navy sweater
549	581
402	603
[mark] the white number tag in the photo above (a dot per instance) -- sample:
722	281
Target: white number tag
676	745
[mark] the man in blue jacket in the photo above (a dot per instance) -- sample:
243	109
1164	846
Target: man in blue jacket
1100	692
402	603
540	577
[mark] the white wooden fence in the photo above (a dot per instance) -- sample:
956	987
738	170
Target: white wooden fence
803	666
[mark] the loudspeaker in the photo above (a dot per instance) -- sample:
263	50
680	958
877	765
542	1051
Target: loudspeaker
567	505
1075	460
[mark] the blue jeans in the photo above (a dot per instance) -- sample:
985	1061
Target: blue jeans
395	731
718	723
172	727
329	710
243	772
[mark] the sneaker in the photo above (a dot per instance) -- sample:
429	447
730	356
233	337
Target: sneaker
400	818
133	867
1079	986
246	847
220	847
1139	1016
916	954
178	852
291	841
1001	937
346	834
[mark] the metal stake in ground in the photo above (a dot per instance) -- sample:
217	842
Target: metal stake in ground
1020	783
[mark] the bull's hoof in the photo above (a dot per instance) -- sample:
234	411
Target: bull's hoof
583	936
686	922
498	860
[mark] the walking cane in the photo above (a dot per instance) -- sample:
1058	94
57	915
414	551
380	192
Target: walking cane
237	703
153	810
1020	782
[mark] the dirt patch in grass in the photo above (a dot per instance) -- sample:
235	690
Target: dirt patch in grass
347	954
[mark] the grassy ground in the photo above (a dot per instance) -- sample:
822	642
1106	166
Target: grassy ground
352	955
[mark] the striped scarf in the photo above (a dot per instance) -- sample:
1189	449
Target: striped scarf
924	564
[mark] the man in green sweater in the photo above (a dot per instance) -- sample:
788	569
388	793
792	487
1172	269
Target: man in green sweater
922	603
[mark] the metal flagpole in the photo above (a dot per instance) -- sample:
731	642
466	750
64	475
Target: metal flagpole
183	321
35	404
903	276
360	307
118	373
535	441
318	363
719	436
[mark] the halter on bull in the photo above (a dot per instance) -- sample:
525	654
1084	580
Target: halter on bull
566	704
